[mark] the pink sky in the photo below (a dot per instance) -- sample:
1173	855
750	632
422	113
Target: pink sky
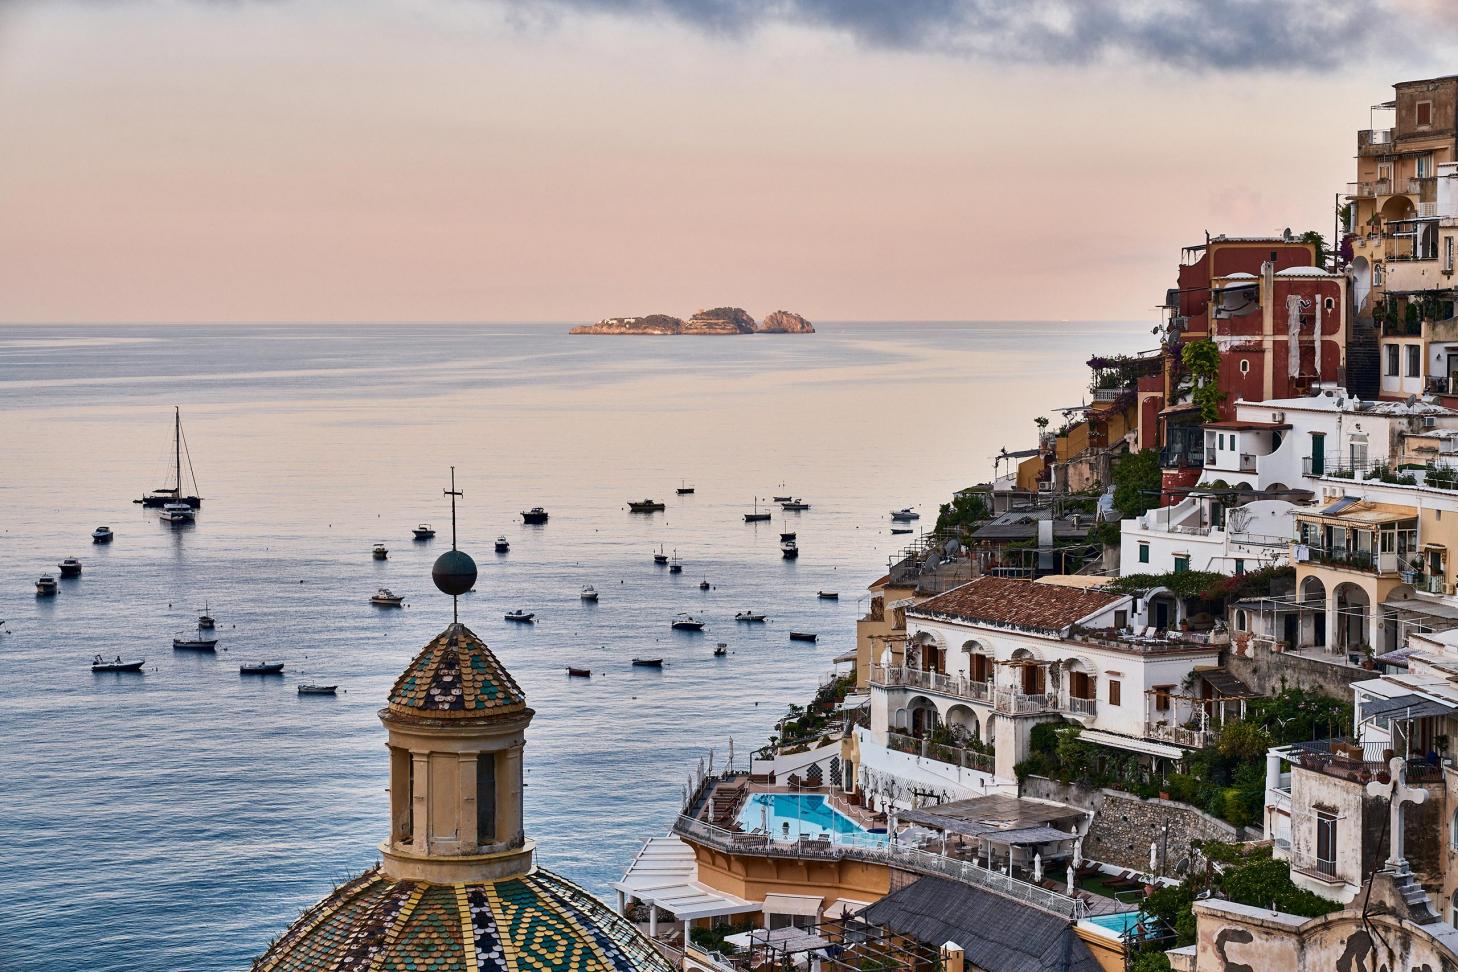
415	160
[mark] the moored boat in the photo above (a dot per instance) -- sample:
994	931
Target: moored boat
748	616
684	489
261	668
589	593
828	595
905	515
720	650
70	567
782	499
503	545
756	516
789	550
579	672
646	506
380	552
788	536
384	597
520	616
200	641
170	495
647	662
99	664
795	506
205	621
704	584
534	515
804	636
102	534
895	531
424	532
178	513
308	689
684	621
660	557
45	586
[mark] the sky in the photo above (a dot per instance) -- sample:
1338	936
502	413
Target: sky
568	160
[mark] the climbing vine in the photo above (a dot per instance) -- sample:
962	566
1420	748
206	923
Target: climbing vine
1202	360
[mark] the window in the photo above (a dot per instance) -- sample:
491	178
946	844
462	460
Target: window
1329	303
1144	553
1391	360
1326	841
1239	566
1377	274
1448	254
486	798
1424	166
1244	366
1222	440
1116	687
1182	564
1161	697
1414	360
1453	831
1121	619
1423	114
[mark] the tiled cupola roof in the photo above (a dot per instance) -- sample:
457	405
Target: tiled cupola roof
535	922
456	677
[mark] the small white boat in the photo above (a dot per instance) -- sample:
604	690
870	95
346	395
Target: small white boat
589	593
828	595
424	532
795	505
70	567
686	622
45	586
502	545
905	515
385	598
720	650
307	689
748	616
261	668
789	550
178	513
102	534
380	552
520	616
198	641
99	664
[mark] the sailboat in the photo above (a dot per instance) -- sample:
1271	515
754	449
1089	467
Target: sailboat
173	495
756	516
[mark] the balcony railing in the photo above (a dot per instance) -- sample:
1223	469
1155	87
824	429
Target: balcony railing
1314	866
1179	735
954	755
878	850
1011	702
954	685
1375	141
1077	706
1378	187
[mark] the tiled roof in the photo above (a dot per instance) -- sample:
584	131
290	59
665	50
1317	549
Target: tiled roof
456	677
537	922
1016	604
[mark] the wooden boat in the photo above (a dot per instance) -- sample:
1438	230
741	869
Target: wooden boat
704	584
646	506
720	650
102	534
173	494
589	593
647	662
307	689
384	597
261	668
579	672
756	516
198	642
519	616
424	532
686	622
99	664
795	506
828	595
45	586
905	515
684	489
748	616
205	620
804	636
534	515
660	557
675	566
70	567
380	552
789	550
502	545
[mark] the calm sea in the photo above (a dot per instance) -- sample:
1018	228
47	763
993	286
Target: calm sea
177	820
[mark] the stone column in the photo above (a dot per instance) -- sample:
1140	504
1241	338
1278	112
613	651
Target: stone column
1331	620
420	802
466	780
509	795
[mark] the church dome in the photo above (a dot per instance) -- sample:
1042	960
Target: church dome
455	677
536	922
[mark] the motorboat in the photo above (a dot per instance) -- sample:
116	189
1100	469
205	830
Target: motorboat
384	597
646	506
895	531
905	515
804	636
704	584
789	550
199	641
102	534
205	620
647	662
174	495
749	616
519	616
783	499
99	664
178	513
579	672
788	536
45	586
70	567
684	489
380	552
502	545
720	650
795	506
686	622
534	515
308	689
756	516
424	532
261	668
589	593
828	595
660	557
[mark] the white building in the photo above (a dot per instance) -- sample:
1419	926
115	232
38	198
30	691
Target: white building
1201	533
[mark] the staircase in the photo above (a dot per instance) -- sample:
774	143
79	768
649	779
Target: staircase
1364	361
1420	907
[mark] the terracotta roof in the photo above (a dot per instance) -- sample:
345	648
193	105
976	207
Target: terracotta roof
1016	604
537	922
456	677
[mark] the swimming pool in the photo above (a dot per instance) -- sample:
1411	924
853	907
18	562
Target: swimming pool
791	816
1118	925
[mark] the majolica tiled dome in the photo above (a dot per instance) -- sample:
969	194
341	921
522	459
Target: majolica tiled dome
536	922
456	677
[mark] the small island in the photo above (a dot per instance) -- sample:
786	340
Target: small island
715	320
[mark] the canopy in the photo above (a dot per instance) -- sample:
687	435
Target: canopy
804	905
665	874
1131	744
1027	835
844	907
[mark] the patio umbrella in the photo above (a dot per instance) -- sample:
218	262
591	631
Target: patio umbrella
1070	881
1037	868
1077	853
1153	857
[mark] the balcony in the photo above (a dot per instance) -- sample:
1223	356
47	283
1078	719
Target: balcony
1013	702
1081	707
962	756
1375	141
1368	190
1366	561
1179	735
1359	762
956	686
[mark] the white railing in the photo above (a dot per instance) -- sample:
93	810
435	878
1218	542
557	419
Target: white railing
880	850
1012	702
1179	735
1079	706
955	685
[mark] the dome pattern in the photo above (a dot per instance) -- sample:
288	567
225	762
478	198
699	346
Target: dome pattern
538	922
456	677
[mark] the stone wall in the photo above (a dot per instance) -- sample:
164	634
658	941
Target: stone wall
1263	670
1123	824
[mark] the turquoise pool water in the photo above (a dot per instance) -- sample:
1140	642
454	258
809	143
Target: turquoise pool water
1118	925
791	816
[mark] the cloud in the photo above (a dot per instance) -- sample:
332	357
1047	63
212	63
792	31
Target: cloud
1195	35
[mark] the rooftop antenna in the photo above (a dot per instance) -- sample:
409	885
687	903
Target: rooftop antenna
454	571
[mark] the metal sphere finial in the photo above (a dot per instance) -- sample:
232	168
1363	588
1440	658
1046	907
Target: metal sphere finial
454	572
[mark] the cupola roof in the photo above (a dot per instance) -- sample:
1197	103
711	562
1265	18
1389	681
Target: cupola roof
456	676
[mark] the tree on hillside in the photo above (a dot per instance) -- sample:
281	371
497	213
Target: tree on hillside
963	514
1136	482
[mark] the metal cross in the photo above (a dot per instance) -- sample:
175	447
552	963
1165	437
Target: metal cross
1401	794
453	493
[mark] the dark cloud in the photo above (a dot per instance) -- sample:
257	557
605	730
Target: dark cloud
1202	35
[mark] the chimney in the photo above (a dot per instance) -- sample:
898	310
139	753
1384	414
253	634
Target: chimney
952	958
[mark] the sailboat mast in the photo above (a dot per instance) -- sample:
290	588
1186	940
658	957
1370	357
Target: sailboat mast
177	448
